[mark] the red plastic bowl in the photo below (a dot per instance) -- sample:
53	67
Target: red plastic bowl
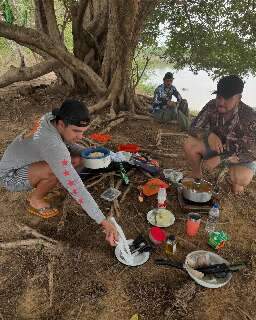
129	147
157	235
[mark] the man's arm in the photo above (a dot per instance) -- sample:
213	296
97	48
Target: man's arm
59	160
200	126
157	101
247	144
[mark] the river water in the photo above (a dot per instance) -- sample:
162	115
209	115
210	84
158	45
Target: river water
197	89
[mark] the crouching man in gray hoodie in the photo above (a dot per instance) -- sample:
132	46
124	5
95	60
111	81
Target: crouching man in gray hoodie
41	158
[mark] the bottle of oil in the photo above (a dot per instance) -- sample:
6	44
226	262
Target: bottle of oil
170	246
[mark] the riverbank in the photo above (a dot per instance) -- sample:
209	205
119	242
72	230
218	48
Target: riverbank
196	88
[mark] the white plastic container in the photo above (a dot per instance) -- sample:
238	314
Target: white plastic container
161	198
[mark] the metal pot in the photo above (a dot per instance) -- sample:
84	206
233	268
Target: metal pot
197	192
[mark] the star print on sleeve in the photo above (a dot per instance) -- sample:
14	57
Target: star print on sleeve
74	191
64	162
70	183
66	173
80	201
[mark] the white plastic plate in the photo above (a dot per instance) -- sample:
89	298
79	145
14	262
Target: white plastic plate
138	259
151	218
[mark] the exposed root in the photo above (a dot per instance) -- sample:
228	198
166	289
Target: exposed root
128	189
105	175
113	124
26	243
36	234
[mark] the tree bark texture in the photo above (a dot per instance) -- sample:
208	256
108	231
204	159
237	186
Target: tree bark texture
105	36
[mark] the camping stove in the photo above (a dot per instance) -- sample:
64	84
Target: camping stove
191	206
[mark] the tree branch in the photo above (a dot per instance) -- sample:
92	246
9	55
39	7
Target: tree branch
65	21
98	24
51	21
80	13
25	74
139	76
40	18
32	38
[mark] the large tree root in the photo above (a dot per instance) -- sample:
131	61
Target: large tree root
113	124
27	73
28	230
26	243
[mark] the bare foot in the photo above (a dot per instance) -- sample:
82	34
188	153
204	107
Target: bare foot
237	189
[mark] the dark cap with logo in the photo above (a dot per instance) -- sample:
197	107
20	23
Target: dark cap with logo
73	112
228	86
168	76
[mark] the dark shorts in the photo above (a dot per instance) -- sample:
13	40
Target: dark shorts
16	180
250	165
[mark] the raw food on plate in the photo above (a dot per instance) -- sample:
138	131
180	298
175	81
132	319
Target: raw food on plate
163	217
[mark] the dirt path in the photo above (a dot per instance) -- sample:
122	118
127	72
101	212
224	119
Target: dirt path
81	279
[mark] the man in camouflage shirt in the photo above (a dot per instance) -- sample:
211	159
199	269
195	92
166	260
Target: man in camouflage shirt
164	109
225	130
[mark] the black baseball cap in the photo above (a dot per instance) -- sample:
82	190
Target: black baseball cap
228	86
73	112
169	76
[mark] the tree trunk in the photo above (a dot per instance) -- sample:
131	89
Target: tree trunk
45	21
105	36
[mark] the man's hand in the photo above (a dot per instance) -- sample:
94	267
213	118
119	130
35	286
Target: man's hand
215	143
111	233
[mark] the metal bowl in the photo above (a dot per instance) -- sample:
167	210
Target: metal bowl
197	192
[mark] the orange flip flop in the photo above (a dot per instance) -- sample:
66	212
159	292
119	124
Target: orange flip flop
45	213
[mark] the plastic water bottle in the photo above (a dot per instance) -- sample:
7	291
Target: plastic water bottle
161	198
213	218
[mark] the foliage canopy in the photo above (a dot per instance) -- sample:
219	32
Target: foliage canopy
212	35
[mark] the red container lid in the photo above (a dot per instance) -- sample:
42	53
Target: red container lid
158	234
129	147
101	137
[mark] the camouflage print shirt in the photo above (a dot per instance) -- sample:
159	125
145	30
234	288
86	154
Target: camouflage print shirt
162	94
238	134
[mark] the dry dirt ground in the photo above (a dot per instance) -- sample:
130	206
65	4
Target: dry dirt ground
80	278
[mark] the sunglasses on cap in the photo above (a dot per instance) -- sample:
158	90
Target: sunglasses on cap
76	122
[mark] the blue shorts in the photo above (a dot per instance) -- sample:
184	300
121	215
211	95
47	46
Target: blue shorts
16	180
250	165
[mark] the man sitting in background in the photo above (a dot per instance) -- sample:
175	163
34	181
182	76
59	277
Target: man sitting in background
164	109
46	155
225	131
